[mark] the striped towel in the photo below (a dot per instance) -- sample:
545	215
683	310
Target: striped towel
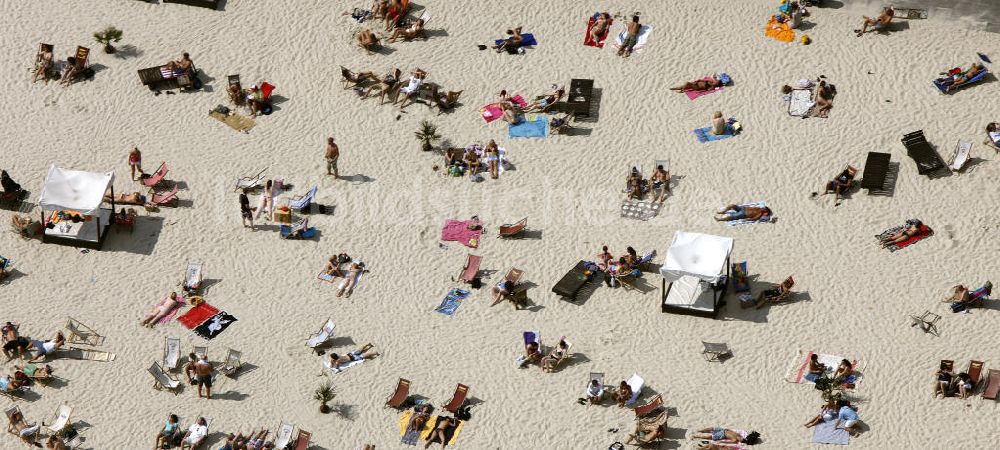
764	219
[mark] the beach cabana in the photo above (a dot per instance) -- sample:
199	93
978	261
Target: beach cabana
694	274
71	210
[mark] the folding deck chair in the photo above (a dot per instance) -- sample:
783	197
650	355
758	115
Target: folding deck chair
715	351
992	384
649	407
82	334
60	419
301	202
567	356
171	353
192	277
530	337
927	321
320	337
961	155
302	440
16	421
283	435
299	230
157	177
232	364
513	276
636	383
599	377
398	397
240	98
163	380
458	399
975	372
784	292
513	229
80	61
350	78
251	182
471	268
164	199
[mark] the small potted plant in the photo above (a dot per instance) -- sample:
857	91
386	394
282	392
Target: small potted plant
107	36
324	394
427	134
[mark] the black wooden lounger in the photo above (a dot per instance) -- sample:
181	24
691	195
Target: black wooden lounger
571	283
927	159
210	4
876	170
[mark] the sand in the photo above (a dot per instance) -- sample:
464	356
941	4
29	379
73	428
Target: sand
390	206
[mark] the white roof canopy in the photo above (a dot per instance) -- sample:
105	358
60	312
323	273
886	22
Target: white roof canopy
74	190
697	255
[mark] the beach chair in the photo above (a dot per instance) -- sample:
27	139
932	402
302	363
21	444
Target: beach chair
851	172
458	399
961	156
917	148
908	13
167	199
199	351
232	364
975	372
560	125
163	379
566	357
157	177
398	397
599	377
60	419
927	321
78	333
171	353
301	202
283	435
192	277
513	276
470	269
300	230
320	337
876	172
715	351
250	182
992	384
530	337
513	229
573	281
636	383
350	78
302	440
80	62
778	294
649	407
978	296
239	98
946	84
15	421
741	282
31	371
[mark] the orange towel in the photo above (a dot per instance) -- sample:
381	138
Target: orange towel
779	31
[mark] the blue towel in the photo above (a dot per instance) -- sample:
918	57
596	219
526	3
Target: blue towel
452	301
308	233
532	126
705	134
943	87
828	433
527	41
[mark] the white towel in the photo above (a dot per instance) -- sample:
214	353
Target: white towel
640	42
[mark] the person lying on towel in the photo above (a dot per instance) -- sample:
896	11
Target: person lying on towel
134	198
958	79
738	212
631	37
600	26
699	85
337	361
912	229
512	42
414	30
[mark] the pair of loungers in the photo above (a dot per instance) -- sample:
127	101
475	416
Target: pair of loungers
55	425
402	392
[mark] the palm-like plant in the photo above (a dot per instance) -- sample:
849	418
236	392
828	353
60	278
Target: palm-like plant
324	394
107	36
427	134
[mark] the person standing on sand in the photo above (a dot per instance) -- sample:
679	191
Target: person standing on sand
245	211
203	370
332	155
135	161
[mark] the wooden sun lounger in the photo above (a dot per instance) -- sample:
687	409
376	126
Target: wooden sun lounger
458	399
975	372
399	396
570	284
992	384
876	171
927	159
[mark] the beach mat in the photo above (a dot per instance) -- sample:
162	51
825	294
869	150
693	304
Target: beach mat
215	325
528	40
800	102
705	134
533	126
826	432
640	210
640	42
452	301
925	232
85	355
799	372
196	315
173	312
458	231
599	43
764	219
693	94
411	437
235	121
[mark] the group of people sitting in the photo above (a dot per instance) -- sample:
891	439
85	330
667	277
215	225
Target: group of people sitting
335	268
513	111
171	434
841	410
470	160
45	67
533	355
659	184
254	97
33	350
949	383
844	375
367	84
613	269
250	441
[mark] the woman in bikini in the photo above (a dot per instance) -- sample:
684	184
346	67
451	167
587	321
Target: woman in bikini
159	312
493	159
737	212
413	31
438	433
912	229
512	42
472	160
558	353
351	280
600	27
623	394
604	258
698	85
135	161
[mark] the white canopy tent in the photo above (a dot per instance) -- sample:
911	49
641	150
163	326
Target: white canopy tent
697	268
81	192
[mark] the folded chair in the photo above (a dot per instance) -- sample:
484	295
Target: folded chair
715	351
779	293
961	156
232	364
927	321
302	440
636	383
82	334
163	380
238	99
250	182
171	353
320	337
649	407
511	230
167	199
398	397
992	384
471	268
458	399
157	177
301	202
60	419
283	435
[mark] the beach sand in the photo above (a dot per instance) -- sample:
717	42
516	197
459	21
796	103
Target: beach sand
389	207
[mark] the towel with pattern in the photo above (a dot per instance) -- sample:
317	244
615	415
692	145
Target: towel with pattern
452	301
925	231
763	219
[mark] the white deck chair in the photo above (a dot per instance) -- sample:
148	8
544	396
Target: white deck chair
600	380
232	363
322	336
192	276
250	182
60	419
961	155
171	353
200	351
283	435
530	337
163	379
82	334
636	383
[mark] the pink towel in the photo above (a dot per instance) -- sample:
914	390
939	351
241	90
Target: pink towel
695	94
458	231
493	112
173	312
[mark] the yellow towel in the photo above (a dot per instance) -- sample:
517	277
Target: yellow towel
458	429
779	31
404	422
235	121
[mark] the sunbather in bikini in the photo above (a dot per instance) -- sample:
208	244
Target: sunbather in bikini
444	100
351	280
824	99
956	81
493	159
511	114
844	373
159	312
600	26
420	415
912	229
544	101
604	258
134	198
963	384
698	85
414	30
827	412
438	433
549	362
43	64
737	212
512	42
841	184
623	394
367	40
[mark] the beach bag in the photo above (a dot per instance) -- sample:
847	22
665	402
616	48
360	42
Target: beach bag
463	413
725	79
752	438
476	283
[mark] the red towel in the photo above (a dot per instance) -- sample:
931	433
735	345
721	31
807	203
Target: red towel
600	42
195	316
925	231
